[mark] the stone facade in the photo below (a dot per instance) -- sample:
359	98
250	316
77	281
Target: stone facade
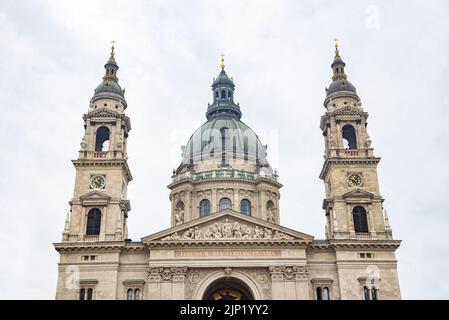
225	236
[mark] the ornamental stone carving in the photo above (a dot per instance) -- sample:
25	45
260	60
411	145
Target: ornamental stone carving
228	230
167	274
289	273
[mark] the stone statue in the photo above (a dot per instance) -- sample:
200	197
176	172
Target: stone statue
179	217
83	144
270	215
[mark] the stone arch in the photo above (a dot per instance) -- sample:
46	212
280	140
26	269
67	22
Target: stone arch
204	284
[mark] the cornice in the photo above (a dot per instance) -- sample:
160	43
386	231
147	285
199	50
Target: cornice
346	161
354	244
113	246
230	243
205	181
104	163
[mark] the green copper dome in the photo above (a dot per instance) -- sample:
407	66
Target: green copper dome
224	139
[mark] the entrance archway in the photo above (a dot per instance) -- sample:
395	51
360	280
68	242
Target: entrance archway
228	289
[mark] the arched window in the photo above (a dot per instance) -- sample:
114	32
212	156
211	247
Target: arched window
204	208
90	294
229	94
245	207
366	293
137	294
326	293
83	294
373	294
349	137
93	222
180	205
129	294
318	294
225	203
216	94
360	219
102	139
223	94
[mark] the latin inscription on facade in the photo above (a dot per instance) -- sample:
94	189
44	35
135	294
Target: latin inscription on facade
228	253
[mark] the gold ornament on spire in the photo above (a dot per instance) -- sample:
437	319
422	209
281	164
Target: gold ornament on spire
337	52
112	48
222	62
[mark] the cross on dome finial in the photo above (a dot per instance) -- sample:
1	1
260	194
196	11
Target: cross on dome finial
222	62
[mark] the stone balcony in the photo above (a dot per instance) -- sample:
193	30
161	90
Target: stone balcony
111	154
224	174
351	153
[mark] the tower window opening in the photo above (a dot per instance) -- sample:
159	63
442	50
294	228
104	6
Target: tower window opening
245	207
325	294
349	137
318	294
223	94
216	94
229	94
225	203
83	294
204	208
373	294
102	139
93	222
366	293
90	294
360	219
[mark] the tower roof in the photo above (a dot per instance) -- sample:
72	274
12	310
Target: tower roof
223	97
340	83
109	87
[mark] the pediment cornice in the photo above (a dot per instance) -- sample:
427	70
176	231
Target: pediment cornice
226	227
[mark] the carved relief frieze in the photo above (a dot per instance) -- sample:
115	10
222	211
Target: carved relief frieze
167	274
289	273
227	230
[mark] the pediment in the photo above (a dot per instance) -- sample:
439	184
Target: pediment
95	195
358	193
102	113
349	111
227	225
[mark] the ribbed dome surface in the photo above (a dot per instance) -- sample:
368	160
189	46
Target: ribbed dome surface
206	142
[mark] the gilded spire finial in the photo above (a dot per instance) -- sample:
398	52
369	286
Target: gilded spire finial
337	52
222	62
112	48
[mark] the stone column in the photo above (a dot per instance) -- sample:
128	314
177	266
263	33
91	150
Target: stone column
154	284
188	207
302	282
214	204
236	202
179	277
277	283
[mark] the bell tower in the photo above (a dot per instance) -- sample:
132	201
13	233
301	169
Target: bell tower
353	203
99	208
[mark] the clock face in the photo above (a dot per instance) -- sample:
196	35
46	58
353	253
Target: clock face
354	180
97	182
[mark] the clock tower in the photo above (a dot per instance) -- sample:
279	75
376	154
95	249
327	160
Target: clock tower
99	208
353	203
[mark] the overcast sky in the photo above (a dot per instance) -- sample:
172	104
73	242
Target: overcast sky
279	52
